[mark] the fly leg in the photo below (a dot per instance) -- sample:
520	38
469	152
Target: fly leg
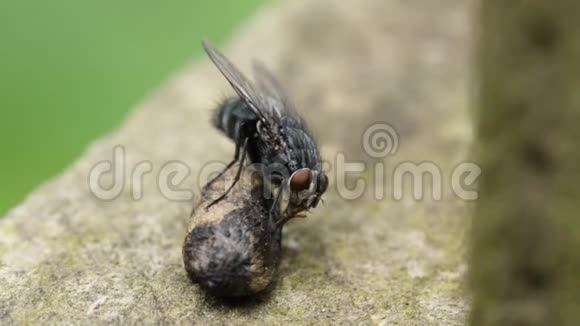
238	174
274	207
286	215
236	157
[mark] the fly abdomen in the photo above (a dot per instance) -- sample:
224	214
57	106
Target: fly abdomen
233	117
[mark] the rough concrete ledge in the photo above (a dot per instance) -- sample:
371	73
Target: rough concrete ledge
66	255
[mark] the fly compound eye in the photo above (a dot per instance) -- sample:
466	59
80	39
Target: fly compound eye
301	179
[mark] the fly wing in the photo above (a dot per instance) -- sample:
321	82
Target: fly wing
273	89
241	85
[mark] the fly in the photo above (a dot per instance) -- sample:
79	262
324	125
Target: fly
267	130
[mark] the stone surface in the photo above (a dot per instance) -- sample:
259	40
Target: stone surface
66	255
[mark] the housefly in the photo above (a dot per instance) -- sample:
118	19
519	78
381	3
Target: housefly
267	129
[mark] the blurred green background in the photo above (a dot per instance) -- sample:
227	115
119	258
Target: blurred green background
71	69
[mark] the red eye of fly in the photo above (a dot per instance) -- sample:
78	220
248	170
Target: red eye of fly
300	180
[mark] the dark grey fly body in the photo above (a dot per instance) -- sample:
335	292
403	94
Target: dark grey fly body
266	128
